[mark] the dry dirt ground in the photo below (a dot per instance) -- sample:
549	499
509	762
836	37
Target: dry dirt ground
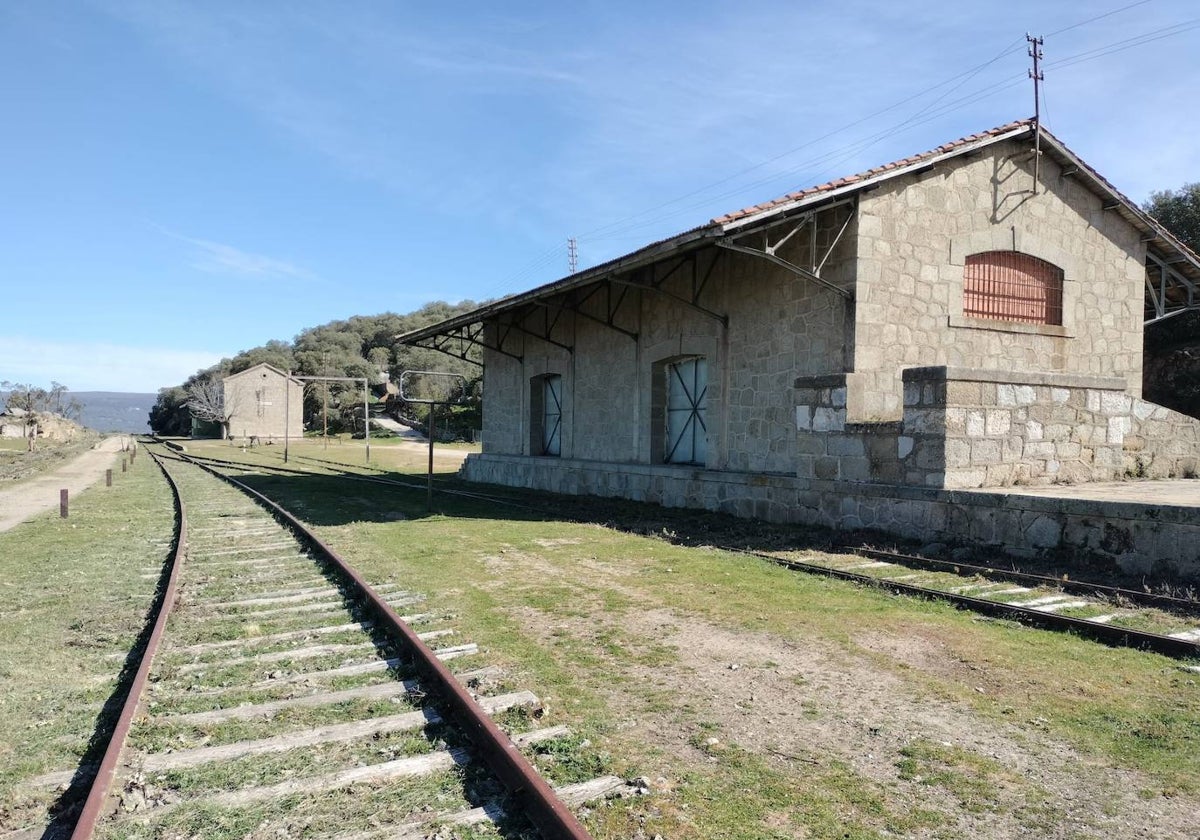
41	493
813	706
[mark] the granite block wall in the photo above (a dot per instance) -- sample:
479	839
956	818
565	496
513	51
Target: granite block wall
1003	428
914	235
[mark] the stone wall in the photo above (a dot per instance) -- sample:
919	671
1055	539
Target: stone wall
1000	428
775	326
965	428
914	234
1159	442
262	403
1161	542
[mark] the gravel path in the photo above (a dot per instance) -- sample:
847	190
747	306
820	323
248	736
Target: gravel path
36	495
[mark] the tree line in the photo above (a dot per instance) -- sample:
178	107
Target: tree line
359	347
35	399
363	346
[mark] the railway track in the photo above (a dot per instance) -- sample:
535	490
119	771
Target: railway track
1144	620
1135	618
280	695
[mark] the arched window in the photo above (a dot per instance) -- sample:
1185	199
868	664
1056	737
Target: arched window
1011	286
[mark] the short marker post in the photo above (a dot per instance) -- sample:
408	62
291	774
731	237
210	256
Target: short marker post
62	503
108	477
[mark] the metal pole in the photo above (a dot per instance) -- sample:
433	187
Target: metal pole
429	473
366	420
1035	52
287	417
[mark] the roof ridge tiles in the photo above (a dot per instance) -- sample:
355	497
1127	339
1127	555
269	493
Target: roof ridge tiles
847	180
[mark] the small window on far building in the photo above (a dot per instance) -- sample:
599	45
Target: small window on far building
1011	286
687	402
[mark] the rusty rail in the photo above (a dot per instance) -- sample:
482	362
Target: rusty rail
534	796
1107	633
93	806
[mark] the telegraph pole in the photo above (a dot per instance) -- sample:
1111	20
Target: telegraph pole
1035	52
572	254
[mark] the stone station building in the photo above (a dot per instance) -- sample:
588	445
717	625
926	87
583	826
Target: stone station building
262	401
857	354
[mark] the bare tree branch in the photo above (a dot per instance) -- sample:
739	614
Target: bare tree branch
206	401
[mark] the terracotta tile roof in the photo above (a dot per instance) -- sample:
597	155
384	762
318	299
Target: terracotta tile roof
699	236
943	149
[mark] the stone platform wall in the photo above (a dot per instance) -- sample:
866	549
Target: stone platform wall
1159	542
966	428
1000	429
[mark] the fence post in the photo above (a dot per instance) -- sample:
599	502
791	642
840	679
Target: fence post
108	477
62	503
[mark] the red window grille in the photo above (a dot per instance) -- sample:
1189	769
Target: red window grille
1011	286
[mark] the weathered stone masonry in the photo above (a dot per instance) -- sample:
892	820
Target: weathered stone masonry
846	387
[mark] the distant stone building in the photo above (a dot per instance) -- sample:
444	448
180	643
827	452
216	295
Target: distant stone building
261	402
14	422
969	317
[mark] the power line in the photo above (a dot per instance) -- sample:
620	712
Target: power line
623	228
1096	18
1128	43
967	73
636	222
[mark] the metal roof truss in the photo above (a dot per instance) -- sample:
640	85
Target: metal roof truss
646	280
456	342
1168	293
769	250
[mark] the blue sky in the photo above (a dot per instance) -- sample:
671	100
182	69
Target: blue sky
184	180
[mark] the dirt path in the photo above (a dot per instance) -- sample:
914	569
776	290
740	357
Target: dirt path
36	495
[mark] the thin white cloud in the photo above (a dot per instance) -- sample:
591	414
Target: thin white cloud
219	258
648	107
89	366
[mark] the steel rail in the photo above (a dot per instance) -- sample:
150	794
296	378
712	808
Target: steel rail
352	476
93	806
534	796
1110	634
1078	587
1117	636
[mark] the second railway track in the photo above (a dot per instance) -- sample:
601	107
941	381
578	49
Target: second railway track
283	700
1141	619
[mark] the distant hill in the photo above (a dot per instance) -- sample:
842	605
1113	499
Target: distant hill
113	411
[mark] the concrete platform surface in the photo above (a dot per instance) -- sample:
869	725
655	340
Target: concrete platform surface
1167	492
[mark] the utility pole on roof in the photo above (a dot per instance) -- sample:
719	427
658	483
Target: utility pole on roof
1035	52
572	254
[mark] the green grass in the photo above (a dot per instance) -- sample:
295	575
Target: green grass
16	463
500	567
72	603
554	595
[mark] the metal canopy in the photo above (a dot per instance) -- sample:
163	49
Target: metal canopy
1173	269
645	280
1168	292
456	341
808	220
